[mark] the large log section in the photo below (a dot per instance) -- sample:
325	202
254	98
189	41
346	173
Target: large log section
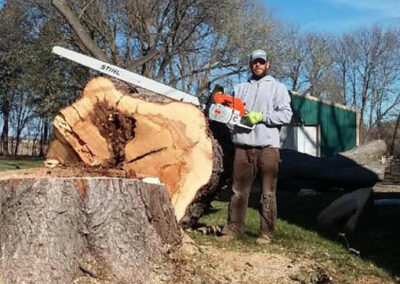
360	167
55	230
114	125
357	168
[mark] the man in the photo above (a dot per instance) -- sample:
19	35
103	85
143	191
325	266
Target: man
257	151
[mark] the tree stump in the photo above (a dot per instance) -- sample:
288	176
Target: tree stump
114	125
57	227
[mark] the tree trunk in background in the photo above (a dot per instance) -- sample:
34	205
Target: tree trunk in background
16	145
34	140
41	151
44	136
59	226
394	135
4	133
114	125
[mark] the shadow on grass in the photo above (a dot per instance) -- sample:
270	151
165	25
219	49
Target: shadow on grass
377	235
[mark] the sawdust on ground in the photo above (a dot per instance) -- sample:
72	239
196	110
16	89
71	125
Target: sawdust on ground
207	264
197	264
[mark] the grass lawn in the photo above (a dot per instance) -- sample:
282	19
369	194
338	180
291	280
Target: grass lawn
14	163
376	238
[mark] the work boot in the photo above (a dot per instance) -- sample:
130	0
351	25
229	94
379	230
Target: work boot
263	239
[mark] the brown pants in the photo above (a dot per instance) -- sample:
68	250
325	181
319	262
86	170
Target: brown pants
248	162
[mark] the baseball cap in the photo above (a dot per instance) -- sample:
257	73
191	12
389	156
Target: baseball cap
258	54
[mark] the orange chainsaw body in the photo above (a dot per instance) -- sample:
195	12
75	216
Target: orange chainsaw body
229	101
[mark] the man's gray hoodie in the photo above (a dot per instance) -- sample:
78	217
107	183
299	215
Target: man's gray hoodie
270	97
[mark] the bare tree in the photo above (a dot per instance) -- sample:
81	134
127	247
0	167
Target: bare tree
367	61
13	33
181	43
28	70
318	66
290	56
342	61
21	114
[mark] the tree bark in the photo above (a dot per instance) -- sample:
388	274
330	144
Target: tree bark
4	133
44	136
61	227
73	20
114	125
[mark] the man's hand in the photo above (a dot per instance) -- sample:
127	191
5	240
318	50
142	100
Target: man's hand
254	117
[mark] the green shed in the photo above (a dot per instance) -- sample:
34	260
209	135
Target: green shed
320	127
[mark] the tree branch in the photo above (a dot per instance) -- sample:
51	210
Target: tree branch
144	59
73	20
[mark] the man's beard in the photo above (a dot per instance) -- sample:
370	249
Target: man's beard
257	77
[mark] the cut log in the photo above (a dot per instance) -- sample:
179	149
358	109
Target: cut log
55	230
113	125
366	153
360	167
344	212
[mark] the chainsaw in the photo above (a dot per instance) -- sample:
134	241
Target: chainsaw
219	106
224	108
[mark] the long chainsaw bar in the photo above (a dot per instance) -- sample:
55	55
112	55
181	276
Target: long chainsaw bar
217	112
125	75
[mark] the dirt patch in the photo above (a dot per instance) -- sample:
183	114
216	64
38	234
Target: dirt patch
194	263
208	264
251	267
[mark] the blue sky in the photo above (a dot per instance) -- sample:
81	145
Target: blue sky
335	16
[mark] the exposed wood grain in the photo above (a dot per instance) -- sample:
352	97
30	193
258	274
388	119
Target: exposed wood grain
112	125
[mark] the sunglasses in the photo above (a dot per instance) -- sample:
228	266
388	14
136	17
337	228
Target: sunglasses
258	61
